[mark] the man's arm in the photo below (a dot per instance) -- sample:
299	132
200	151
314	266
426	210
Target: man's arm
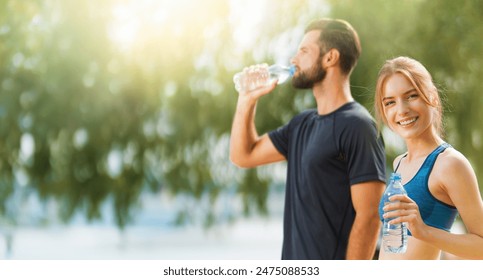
247	149
366	227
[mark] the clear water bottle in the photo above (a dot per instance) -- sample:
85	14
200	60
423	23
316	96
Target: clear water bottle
394	236
266	75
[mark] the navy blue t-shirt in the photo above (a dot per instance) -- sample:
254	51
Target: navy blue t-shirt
326	154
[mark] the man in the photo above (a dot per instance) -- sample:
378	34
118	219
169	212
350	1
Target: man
335	159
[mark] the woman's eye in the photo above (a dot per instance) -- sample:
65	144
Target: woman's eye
388	103
413	96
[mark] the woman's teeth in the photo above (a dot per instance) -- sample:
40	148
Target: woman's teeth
407	122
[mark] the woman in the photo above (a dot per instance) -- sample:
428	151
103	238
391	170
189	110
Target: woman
439	180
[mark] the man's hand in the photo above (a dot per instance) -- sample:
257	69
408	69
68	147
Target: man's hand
253	82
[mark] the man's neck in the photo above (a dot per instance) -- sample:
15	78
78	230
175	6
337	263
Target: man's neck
332	93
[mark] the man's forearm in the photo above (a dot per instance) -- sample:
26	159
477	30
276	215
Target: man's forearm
363	239
243	132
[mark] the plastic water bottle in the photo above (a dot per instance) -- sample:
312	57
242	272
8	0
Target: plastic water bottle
266	76
394	236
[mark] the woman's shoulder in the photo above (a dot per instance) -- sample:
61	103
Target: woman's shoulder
451	163
451	159
455	175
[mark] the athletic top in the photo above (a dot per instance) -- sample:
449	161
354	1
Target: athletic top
434	212
326	155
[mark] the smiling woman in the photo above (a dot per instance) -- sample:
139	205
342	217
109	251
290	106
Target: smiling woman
439	180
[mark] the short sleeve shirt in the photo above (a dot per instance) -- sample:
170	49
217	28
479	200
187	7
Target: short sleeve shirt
326	154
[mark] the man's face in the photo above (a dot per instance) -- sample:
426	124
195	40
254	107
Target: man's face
308	61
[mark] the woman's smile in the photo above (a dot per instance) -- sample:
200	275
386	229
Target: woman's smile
407	121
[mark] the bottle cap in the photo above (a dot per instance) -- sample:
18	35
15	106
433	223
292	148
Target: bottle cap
395	176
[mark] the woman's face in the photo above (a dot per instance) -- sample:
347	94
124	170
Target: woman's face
405	110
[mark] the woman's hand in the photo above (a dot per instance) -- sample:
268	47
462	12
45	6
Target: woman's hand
404	210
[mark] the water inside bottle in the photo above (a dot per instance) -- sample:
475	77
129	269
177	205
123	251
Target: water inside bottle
282	77
275	72
394	238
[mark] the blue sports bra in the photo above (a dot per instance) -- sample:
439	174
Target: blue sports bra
434	212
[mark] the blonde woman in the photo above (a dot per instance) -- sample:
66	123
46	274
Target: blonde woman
439	180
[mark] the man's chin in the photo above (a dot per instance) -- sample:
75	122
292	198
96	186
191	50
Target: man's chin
302	85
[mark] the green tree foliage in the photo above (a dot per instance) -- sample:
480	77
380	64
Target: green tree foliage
101	101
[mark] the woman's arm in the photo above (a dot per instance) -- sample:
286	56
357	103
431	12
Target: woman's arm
456	177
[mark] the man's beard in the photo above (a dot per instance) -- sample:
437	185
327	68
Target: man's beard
307	79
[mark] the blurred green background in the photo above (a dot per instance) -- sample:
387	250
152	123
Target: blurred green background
101	101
